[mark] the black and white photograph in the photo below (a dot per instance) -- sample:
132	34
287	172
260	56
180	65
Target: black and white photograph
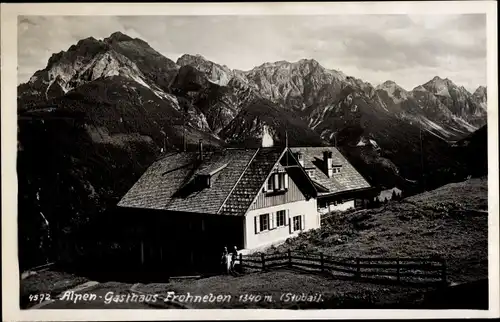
294	161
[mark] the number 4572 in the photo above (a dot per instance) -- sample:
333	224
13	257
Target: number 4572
39	297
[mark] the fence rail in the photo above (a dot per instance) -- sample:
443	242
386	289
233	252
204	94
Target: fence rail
417	270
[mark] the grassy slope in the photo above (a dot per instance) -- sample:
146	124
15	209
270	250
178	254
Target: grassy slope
432	223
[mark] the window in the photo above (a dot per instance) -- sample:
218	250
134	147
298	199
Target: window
297	223
281	218
310	173
281	181
270	183
264	222
277	182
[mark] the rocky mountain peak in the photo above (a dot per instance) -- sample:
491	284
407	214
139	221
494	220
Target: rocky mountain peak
187	59
481	95
396	92
117	37
311	61
389	84
215	73
480	91
439	86
419	88
87	41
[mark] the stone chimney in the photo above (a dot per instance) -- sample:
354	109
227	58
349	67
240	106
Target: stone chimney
267	139
300	158
328	163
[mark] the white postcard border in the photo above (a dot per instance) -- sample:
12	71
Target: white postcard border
10	273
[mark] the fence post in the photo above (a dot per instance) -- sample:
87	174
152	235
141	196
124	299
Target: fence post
241	262
289	258
398	268
322	262
358	268
263	261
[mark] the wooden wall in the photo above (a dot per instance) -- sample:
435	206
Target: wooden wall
177	243
265	200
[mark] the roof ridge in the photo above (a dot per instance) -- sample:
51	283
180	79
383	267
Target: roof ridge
267	178
303	170
238	181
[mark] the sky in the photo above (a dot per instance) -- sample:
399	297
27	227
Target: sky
407	49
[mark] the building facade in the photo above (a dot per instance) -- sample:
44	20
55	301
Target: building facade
188	206
339	185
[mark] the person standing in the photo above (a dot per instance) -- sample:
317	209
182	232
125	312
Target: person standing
224	260
234	256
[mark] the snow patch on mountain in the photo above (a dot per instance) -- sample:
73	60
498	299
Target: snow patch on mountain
471	128
430	124
141	81
361	142
374	143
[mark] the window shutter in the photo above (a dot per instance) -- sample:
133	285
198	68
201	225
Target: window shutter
303	223
276	181
286	180
272	223
257	226
289	220
265	187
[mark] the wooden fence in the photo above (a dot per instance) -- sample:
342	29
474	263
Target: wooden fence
400	270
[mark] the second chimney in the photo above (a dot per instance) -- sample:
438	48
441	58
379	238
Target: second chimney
300	158
328	161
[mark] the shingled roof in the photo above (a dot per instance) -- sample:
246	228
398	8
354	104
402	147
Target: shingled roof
347	180
237	175
166	183
251	181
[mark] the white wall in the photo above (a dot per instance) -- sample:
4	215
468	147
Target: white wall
279	234
339	207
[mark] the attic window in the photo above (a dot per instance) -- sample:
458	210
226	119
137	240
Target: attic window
310	173
277	182
336	169
203	180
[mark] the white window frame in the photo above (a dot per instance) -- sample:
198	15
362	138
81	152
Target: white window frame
277	182
302	223
270	183
299	218
283	223
261	216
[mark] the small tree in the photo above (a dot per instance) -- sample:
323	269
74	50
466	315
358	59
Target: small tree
394	195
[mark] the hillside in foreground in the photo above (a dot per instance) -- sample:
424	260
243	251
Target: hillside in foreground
451	222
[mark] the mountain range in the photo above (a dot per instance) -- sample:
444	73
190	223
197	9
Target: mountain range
100	112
